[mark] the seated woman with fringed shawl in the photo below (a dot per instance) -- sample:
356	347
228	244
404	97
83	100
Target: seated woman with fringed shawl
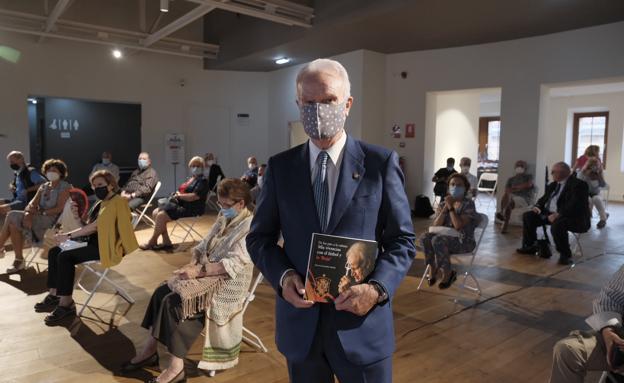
210	291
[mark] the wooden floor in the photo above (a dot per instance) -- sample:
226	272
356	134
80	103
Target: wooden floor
506	335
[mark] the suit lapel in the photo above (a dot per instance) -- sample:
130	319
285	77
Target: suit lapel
305	197
351	174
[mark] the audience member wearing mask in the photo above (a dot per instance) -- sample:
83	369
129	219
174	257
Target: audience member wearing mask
109	236
141	183
564	206
108	165
592	174
40	214
255	191
456	212
178	311
212	171
24	186
592	151
519	192
188	201
441	178
464	165
251	174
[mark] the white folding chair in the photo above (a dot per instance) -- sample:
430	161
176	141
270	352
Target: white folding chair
143	216
188	226
102	276
210	203
248	336
491	191
483	222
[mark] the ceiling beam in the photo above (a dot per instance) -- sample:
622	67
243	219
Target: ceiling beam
116	44
58	10
260	13
179	23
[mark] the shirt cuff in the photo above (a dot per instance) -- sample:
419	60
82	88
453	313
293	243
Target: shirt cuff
281	281
601	320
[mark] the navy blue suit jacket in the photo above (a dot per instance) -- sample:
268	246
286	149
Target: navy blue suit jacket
370	203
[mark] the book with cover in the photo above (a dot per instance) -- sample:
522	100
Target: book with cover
335	264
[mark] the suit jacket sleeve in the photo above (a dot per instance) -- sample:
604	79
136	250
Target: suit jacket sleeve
262	239
396	230
579	196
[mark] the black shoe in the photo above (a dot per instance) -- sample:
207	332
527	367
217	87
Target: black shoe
48	304
150	361
431	281
530	250
565	261
500	216
452	279
60	313
180	378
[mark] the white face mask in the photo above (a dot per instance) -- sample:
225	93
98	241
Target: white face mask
53	176
210	162
465	169
251	166
519	170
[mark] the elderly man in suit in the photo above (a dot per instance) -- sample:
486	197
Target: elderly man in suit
337	185
565	206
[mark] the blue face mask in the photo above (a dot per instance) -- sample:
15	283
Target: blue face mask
457	192
229	213
195	170
143	164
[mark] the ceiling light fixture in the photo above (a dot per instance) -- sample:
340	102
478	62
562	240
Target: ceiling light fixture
282	61
164	5
117	54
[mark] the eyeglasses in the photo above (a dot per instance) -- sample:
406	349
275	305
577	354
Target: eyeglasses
226	205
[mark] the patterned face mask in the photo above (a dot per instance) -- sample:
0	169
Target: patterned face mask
322	121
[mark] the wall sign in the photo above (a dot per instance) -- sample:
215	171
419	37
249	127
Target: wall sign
410	130
174	146
65	126
396	131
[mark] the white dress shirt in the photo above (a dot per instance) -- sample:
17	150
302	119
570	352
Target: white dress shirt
552	205
336	153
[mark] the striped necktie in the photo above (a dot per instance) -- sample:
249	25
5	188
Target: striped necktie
321	189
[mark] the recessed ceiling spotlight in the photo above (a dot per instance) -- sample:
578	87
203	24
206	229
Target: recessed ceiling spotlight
282	61
164	5
117	54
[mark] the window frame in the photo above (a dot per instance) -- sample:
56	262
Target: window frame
575	132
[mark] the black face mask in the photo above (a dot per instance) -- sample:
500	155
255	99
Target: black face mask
15	167
101	192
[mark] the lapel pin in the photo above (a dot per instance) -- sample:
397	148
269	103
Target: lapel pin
356	176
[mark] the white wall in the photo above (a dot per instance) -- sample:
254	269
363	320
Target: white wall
204	109
457	128
519	67
557	132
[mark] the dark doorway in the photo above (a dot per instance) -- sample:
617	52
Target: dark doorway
78	131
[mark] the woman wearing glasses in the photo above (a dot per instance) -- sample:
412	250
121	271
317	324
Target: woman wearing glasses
210	291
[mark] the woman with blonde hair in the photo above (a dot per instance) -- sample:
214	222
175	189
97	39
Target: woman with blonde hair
106	236
592	151
210	291
188	201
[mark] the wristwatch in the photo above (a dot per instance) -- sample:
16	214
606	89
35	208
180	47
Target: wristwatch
383	296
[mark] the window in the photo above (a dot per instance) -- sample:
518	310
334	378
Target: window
590	129
489	138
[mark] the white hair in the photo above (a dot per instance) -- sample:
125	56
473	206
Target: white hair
325	66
